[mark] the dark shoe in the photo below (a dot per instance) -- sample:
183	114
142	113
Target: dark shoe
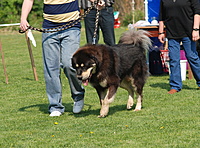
198	88
172	91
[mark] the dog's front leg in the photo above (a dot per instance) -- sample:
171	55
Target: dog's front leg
101	93
109	98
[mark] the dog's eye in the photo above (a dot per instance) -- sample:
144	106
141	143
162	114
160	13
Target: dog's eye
82	65
77	65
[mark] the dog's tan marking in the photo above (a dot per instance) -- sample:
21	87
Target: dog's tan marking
94	68
86	74
82	65
130	101
103	83
105	105
139	103
127	83
77	65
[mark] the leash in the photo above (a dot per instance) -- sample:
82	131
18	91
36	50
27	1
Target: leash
96	27
63	27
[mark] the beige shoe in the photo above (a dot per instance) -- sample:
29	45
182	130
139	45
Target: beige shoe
55	114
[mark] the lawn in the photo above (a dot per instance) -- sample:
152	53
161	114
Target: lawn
166	121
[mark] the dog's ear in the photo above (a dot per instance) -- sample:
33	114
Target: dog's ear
73	62
94	58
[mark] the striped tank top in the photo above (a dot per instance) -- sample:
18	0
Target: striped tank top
60	12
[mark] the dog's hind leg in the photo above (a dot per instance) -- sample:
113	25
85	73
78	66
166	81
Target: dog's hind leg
139	90
127	85
139	103
130	100
105	103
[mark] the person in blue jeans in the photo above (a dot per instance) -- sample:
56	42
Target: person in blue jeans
58	48
105	23
181	19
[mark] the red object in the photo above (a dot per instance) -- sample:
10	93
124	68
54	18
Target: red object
116	23
164	54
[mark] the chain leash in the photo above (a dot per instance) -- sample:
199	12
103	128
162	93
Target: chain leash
96	27
63	27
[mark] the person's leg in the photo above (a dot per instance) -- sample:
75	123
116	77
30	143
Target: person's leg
192	57
174	55
51	61
106	23
69	45
89	21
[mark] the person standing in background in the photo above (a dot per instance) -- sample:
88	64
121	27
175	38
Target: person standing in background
105	23
181	19
58	48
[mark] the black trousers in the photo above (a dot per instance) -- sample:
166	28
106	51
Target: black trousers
106	24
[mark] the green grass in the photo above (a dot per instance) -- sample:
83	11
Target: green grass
166	121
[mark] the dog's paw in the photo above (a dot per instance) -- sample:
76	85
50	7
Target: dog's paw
129	107
101	116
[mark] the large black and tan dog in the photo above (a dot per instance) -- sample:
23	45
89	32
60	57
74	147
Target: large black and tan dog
108	67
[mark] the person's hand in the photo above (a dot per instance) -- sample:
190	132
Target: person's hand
161	38
24	25
195	35
101	4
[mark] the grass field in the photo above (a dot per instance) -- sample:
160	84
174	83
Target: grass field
166	121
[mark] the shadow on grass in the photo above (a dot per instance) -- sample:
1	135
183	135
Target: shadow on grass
96	112
167	86
42	107
160	85
87	111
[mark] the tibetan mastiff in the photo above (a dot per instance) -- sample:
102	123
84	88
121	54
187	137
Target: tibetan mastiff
109	67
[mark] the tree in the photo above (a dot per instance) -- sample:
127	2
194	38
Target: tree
125	10
10	11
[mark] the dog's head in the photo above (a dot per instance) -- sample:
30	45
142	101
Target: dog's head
85	65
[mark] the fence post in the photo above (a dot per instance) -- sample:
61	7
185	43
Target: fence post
31	56
3	62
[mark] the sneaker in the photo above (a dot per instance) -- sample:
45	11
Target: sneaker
55	114
78	106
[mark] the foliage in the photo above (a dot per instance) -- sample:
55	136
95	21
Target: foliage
10	11
128	18
166	121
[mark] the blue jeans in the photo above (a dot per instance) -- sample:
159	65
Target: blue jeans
106	23
58	49
174	55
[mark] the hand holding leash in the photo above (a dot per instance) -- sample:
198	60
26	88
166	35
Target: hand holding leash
100	4
24	26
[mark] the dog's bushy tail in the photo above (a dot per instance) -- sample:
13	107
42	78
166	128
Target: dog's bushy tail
136	37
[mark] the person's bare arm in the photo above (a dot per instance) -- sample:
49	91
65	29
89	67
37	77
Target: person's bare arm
195	33
26	8
161	34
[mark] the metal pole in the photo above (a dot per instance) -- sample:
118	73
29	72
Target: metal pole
146	10
133	10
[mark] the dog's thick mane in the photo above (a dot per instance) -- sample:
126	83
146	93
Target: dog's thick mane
109	67
137	38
